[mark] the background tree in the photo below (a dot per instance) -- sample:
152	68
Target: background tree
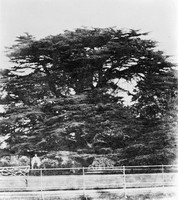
64	92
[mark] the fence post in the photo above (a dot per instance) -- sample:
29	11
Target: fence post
124	181
41	183
26	178
83	172
163	176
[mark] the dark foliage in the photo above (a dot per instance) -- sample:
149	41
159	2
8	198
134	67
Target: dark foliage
64	93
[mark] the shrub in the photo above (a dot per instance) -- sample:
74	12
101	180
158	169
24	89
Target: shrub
4	162
24	160
49	163
102	162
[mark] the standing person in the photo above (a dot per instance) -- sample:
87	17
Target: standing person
35	162
73	166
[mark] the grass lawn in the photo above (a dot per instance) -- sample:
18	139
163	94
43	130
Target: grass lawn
78	182
96	187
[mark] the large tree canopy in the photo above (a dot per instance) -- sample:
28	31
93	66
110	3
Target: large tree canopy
64	92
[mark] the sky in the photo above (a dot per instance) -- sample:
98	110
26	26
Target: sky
50	17
41	18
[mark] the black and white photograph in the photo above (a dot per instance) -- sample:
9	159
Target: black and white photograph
88	100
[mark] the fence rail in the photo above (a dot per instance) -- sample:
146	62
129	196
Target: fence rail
22	178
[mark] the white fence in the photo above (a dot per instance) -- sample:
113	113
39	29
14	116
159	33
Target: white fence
23	178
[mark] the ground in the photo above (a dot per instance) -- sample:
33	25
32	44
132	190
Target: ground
129	194
156	186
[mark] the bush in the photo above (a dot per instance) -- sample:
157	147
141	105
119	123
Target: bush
24	161
49	163
102	162
4	162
